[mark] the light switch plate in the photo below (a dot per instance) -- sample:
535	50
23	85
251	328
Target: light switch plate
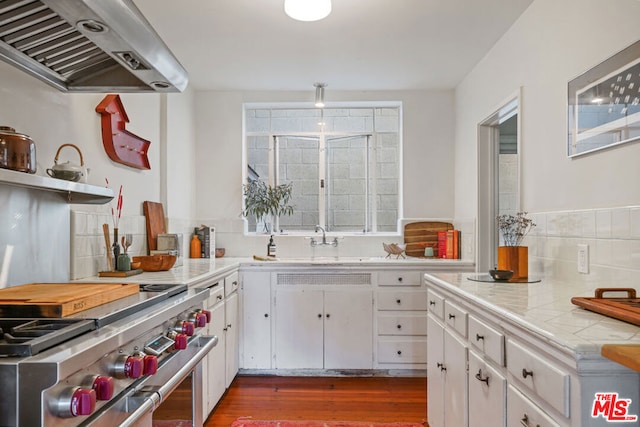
583	259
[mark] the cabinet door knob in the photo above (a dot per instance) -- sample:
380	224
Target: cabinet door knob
526	373
399	279
399	326
432	302
399	352
452	316
441	366
480	378
525	420
266	315
399	301
319	315
219	297
479	337
328	315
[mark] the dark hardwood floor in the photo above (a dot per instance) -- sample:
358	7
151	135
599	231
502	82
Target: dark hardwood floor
374	399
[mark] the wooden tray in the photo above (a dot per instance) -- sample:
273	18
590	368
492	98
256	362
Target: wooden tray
626	309
59	299
426	232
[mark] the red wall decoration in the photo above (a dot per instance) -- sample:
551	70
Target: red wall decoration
121	145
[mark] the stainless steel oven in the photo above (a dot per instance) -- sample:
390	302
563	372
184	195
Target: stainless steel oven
131	363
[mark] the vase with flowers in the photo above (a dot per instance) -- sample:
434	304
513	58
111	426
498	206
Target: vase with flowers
511	254
265	202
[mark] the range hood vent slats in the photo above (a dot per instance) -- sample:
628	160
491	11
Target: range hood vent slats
45	39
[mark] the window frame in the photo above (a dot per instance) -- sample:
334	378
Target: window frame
272	156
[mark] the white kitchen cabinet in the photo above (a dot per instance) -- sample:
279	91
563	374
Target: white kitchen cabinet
447	376
401	303
318	328
214	365
256	320
487	394
523	412
232	329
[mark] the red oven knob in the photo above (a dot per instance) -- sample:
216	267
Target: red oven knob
181	341
200	320
185	327
76	401
207	314
128	367
103	386
150	364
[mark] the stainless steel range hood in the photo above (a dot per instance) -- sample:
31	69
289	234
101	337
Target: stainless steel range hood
88	46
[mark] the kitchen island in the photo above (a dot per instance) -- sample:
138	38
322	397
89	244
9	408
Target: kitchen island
522	352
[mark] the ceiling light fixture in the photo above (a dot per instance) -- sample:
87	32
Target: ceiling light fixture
319	102
307	10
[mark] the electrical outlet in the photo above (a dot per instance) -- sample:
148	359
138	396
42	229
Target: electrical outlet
583	259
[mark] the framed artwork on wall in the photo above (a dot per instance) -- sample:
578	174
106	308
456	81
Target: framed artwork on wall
604	104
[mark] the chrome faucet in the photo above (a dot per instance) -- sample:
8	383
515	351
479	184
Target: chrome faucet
324	242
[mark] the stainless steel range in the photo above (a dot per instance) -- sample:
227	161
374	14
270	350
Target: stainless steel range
116	364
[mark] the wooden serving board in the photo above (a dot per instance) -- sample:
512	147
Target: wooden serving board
154	212
416	234
59	299
626	309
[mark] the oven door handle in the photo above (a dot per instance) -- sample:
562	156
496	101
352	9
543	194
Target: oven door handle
207	342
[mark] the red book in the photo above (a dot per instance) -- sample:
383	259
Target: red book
442	244
456	244
450	235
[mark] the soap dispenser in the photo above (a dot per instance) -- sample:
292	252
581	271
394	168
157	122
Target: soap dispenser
271	247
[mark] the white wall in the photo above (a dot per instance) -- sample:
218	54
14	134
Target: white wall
427	140
52	118
551	43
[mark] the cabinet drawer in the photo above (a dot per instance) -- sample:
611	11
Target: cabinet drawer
487	394
231	283
436	304
456	318
487	340
402	278
402	300
523	412
398	350
542	376
216	295
402	324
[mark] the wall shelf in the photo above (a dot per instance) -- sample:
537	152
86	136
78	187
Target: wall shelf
72	192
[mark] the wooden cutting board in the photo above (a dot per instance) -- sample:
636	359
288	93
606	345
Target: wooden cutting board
416	234
59	299
154	212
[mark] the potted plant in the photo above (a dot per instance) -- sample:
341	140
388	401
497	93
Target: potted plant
265	202
511	255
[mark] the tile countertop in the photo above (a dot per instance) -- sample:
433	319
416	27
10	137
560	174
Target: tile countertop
195	271
545	309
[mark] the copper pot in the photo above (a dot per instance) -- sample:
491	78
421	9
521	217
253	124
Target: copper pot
17	151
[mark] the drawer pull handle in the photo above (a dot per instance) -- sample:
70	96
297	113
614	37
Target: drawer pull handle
440	365
399	301
525	421
452	316
399	352
432	302
234	283
480	378
219	297
526	373
479	337
399	326
399	279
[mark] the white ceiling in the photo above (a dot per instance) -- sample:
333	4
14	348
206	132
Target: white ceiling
361	45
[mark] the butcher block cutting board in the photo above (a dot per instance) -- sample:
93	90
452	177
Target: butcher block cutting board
59	299
154	212
417	234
